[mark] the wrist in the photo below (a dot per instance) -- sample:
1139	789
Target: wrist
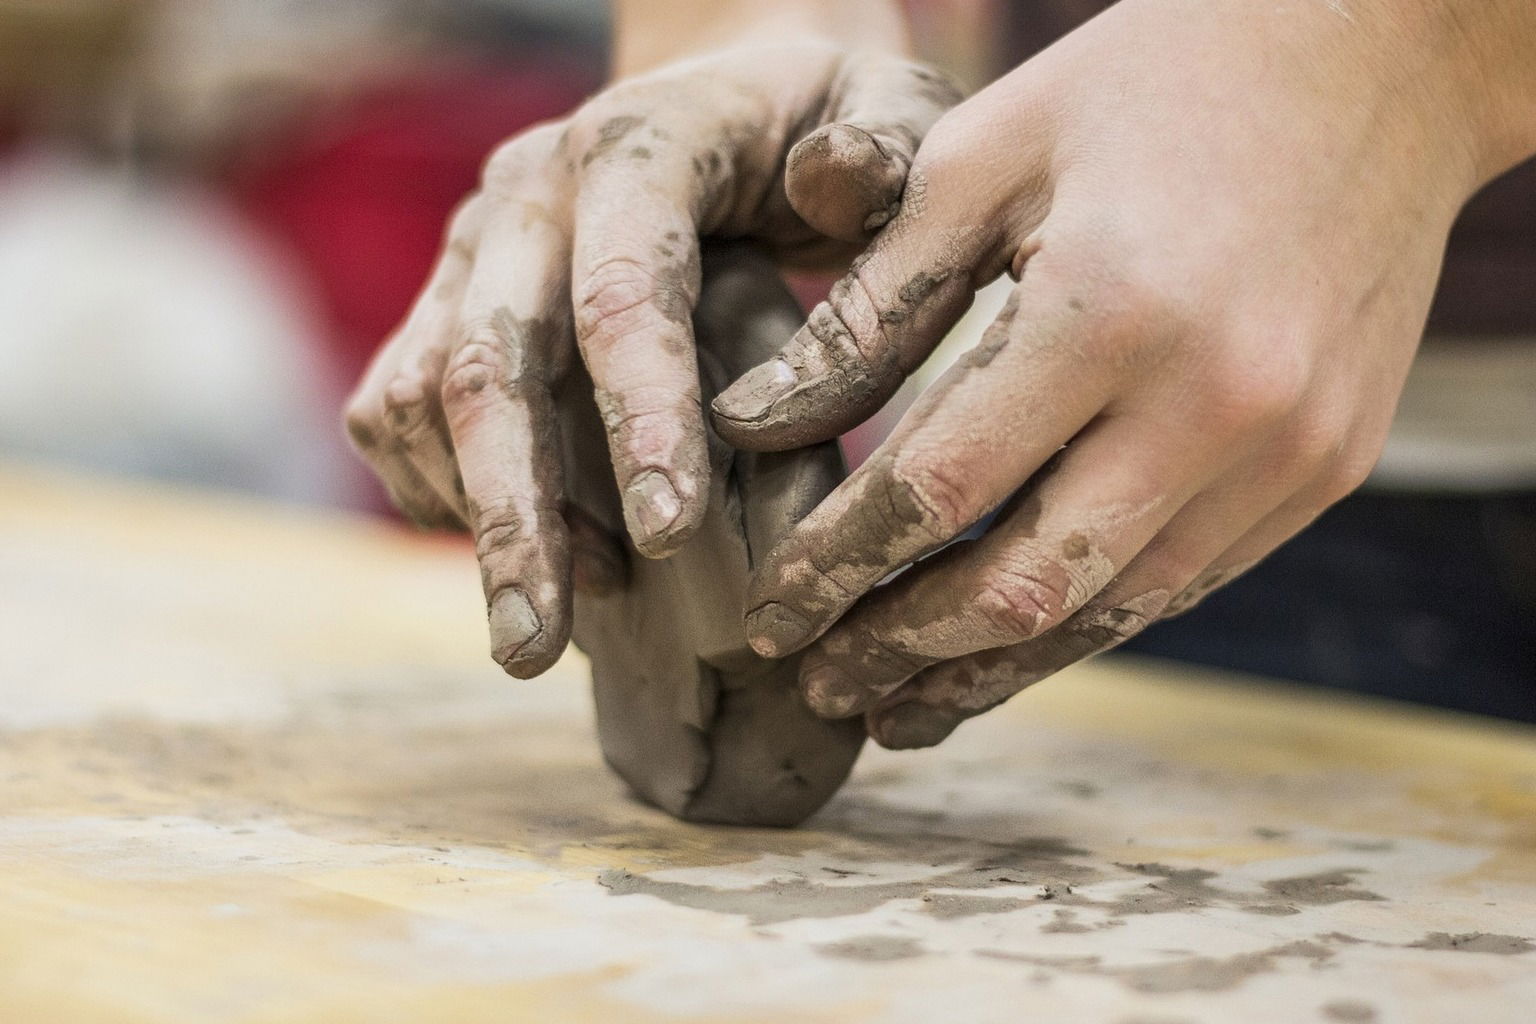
1473	67
648	34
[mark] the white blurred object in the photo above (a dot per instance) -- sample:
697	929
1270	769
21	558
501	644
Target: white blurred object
146	332
1467	419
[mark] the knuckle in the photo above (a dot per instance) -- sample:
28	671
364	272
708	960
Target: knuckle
647	411
1251	394
1118	301
405	399
519	158
1347	472
621	295
1021	604
617	113
873	651
1106	626
893	663
1305	442
499	525
464	223
834	328
363	422
922	496
483	360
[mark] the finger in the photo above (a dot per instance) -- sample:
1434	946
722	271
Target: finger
499	409
1249	550
897	302
412	397
1115	488
635	281
408	491
1205	546
876	326
928	707
987	425
845	179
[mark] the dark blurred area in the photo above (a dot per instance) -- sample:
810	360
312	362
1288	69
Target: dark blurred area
213	211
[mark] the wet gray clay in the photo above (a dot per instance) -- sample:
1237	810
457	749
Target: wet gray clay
691	718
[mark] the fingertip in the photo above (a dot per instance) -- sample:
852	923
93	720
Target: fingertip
660	520
775	630
752	396
524	642
913	725
829	690
844	181
747	414
530	666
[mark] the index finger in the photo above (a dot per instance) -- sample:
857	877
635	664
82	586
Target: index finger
979	432
635	281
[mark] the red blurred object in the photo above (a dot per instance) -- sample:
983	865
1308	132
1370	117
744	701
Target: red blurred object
361	196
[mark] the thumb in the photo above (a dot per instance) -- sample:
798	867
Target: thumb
845	179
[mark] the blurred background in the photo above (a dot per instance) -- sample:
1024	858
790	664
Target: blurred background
212	212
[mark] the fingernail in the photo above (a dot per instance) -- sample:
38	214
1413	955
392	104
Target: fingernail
774	630
513	624
853	144
912	726
754	395
830	692
651	504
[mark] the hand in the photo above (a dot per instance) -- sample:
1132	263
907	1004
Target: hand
1226	222
584	236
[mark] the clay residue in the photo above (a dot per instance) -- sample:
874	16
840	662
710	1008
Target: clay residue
1066	922
609	134
1318	890
1349	1011
947	905
947	894
873	948
1182	888
1039	871
1475	942
1185	974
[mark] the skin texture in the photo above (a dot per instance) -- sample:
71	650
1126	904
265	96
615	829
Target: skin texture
1226	222
687	714
581	248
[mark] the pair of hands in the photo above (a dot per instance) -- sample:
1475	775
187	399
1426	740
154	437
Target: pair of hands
1225	225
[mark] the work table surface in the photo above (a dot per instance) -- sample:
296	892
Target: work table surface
256	765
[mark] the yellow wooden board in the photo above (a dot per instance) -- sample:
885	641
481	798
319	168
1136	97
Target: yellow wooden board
256	766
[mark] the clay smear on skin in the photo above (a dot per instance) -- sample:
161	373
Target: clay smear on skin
1071	561
981	682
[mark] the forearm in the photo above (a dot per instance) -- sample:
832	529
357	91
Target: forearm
651	32
1500	60
1470	64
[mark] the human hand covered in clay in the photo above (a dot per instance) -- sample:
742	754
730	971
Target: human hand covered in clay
583	237
1226	220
